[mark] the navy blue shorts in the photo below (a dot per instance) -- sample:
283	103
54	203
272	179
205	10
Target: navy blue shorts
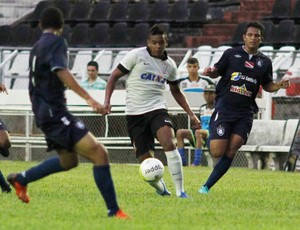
64	133
142	129
222	125
2	125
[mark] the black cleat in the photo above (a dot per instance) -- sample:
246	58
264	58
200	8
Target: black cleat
6	189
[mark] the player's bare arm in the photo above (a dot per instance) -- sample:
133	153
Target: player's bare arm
182	101
110	87
68	79
274	86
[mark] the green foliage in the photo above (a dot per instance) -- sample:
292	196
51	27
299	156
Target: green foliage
242	199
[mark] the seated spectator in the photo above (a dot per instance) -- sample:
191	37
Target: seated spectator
199	137
193	82
93	81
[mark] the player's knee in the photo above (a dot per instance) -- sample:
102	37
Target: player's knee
179	133
168	145
67	165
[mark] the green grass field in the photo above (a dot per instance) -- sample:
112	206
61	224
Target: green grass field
242	199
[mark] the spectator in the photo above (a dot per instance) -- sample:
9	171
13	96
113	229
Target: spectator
93	81
198	137
193	82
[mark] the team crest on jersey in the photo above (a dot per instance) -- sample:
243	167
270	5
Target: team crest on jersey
259	63
220	130
249	64
164	67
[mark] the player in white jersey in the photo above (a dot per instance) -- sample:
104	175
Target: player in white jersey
193	82
148	69
198	137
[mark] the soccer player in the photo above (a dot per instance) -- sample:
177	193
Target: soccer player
198	137
148	69
93	81
4	146
193	82
49	76
242	69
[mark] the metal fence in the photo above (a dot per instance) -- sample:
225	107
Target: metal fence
14	73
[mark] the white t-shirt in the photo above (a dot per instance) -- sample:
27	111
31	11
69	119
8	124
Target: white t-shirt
194	86
146	80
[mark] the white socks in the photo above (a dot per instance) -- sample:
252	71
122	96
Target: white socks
176	171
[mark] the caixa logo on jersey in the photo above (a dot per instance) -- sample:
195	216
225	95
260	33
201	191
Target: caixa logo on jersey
153	77
153	168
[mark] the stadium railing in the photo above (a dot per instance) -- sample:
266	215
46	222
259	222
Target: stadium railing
114	134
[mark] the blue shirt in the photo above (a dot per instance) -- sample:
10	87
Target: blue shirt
241	77
99	84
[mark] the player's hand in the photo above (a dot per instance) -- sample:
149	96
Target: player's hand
96	106
208	71
285	83
196	124
3	89
107	108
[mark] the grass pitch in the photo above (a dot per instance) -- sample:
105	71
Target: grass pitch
242	199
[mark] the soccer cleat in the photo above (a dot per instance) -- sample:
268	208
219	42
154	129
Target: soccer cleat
165	192
120	215
21	191
183	195
6	189
203	190
195	164
4	152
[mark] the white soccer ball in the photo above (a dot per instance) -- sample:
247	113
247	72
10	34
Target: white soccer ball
151	170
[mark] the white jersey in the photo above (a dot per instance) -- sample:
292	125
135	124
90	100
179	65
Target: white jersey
146	80
194	86
205	115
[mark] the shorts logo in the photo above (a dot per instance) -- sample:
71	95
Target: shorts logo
65	121
79	125
220	130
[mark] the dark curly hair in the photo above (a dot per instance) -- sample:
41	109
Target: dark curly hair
52	18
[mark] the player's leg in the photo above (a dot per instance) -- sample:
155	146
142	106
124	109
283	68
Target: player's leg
201	135
5	188
165	136
182	134
225	143
94	151
160	186
19	181
4	140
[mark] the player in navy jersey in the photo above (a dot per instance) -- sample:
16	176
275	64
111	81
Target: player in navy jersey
198	137
148	69
49	77
243	70
4	146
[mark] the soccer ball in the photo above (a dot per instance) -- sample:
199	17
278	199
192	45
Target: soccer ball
151	170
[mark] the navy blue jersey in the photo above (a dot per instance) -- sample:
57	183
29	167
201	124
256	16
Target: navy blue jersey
241	77
45	88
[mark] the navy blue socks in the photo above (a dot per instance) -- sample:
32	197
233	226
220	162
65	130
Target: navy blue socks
44	169
219	170
105	185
